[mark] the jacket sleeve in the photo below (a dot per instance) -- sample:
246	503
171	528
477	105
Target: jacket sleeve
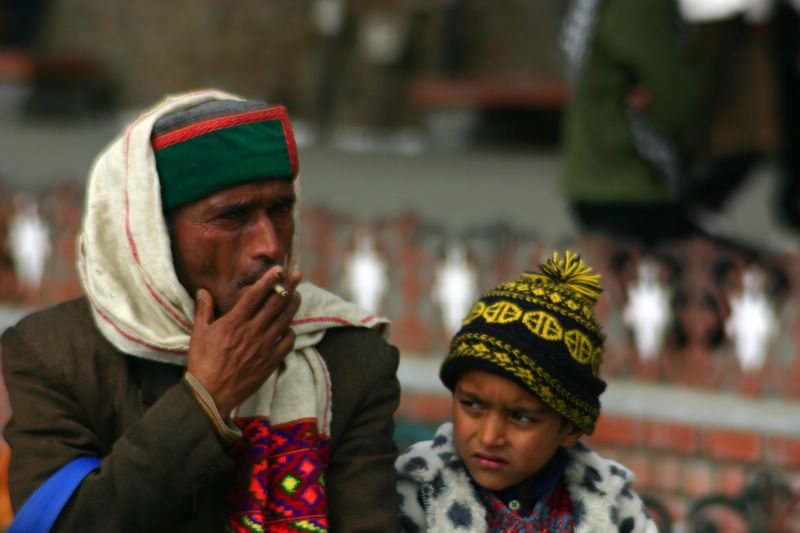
643	36
148	478
360	479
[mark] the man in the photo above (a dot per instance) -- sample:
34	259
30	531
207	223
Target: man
217	392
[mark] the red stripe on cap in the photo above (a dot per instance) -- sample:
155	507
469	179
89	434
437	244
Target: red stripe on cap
248	117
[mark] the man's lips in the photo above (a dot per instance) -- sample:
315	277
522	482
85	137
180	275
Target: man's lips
489	461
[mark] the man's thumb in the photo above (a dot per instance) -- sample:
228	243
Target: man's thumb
204	307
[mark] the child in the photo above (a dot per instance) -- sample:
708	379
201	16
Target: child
523	370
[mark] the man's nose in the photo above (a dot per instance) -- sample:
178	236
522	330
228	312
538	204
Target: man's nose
492	431
262	239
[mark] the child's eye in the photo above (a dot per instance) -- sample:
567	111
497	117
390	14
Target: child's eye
521	417
470	404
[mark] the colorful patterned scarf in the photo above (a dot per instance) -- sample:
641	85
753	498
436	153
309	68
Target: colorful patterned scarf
279	481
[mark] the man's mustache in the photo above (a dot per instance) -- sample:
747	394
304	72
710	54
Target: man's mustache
254	275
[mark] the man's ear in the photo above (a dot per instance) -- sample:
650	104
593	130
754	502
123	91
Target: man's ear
570	435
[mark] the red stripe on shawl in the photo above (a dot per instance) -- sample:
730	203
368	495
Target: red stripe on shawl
321	319
335	319
131	337
132	243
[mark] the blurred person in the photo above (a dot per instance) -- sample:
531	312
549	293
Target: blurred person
786	50
524	373
198	385
737	126
634	91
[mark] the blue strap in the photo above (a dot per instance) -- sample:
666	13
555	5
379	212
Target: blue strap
41	509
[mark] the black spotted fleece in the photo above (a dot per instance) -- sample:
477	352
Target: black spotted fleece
436	493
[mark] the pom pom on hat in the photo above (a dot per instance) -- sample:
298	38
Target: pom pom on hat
570	272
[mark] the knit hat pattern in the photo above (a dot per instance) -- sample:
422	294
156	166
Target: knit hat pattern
540	331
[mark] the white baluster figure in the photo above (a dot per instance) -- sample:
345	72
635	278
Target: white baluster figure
365	274
455	287
752	324
29	243
648	312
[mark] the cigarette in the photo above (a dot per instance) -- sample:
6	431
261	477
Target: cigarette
281	290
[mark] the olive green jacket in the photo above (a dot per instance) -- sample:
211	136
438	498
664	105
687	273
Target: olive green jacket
634	44
164	468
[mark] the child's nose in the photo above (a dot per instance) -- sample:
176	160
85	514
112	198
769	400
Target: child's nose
492	431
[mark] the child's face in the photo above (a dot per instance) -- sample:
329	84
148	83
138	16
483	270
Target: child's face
503	433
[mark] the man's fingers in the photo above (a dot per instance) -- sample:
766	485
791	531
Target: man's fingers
274	325
203	308
284	345
278	310
255	297
293	279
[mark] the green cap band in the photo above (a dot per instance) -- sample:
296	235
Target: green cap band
199	159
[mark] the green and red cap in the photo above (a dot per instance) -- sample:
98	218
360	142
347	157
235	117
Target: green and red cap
221	144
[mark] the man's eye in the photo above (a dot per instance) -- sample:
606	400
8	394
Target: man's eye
282	209
229	215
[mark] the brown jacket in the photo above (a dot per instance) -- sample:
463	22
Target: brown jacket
163	467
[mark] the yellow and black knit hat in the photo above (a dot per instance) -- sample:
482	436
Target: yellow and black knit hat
540	331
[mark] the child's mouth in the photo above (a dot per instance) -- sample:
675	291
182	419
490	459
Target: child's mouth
491	462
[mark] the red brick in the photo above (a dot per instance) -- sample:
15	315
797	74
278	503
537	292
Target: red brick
641	465
669	436
620	431
750	383
730	480
732	445
410	334
678	508
425	407
793	480
667	473
783	450
698	478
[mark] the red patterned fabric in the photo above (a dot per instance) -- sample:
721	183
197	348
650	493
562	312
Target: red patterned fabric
552	514
279	478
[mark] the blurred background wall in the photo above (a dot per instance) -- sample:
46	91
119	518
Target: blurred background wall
430	157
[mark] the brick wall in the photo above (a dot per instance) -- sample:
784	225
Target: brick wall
689	422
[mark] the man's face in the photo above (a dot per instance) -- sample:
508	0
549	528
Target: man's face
503	433
226	241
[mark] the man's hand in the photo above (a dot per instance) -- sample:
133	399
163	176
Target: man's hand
232	355
639	98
